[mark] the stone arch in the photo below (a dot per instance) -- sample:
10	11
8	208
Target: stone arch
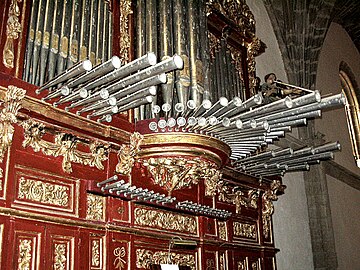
352	93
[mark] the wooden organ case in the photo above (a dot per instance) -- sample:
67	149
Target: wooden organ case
178	198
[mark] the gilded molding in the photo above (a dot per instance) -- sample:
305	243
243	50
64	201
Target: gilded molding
241	265
174	173
25	254
13	29
268	207
235	196
46	193
253	49
222	261
119	262
60	258
64	145
222	230
11	106
244	230
146	257
165	220
125	11
128	153
95	253
96	207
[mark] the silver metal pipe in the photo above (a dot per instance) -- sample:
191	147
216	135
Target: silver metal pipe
221	103
249	103
334	146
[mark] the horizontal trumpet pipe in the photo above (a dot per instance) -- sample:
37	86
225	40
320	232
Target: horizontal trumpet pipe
293	86
255	100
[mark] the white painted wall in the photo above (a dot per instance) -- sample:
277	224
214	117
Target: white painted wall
290	219
345	205
336	48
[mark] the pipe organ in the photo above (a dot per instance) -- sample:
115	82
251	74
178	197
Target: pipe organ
128	126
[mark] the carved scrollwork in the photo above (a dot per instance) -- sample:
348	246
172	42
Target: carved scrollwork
235	196
125	11
222	230
25	254
175	173
64	145
95	252
245	230
13	28
253	49
241	265
95	207
11	106
165	220
128	153
60	258
146	257
268	208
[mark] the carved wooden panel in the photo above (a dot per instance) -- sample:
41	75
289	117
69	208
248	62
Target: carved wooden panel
119	252
210	260
97	252
44	192
245	231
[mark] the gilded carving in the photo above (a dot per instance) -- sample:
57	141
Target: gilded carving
65	145
60	257
11	106
214	45
13	29
25	254
95	207
234	195
43	192
241	265
268	208
254	266
210	264
175	173
165	220
253	49
244	230
119	262
146	257
128	153
222	230
125	11
222	261
95	252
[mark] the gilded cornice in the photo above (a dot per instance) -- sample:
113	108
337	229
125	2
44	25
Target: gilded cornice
64	145
13	29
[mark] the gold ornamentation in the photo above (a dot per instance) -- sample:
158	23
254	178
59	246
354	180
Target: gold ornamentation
175	173
11	106
25	254
236	58
95	207
222	230
214	45
119	262
254	266
13	29
210	264
146	257
128	153
244	230
241	265
253	49
236	196
222	261
43	192
64	145
60	257
125	11
165	220
268	208
95	252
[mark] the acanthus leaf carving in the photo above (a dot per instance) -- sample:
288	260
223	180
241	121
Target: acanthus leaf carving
64	145
119	262
13	29
268	197
11	106
95	207
25	254
128	153
125	11
236	196
175	173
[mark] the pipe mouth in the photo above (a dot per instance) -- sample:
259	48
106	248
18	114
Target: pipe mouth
171	122
258	99
223	101
104	94
237	101
238	124
288	102
191	104
226	122
112	101
317	96
87	65
149	99
179	63
116	62
155	109
206	104
152	90
179	107
202	121
151	58
166	107
162	78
